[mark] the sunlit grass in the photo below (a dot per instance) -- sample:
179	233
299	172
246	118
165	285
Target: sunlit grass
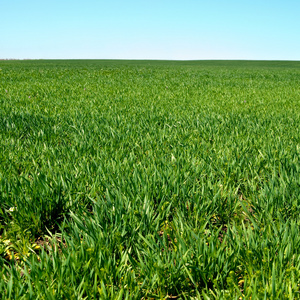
124	180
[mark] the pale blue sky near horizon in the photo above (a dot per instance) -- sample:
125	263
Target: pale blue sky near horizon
165	29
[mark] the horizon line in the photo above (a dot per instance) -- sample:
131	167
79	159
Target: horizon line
148	59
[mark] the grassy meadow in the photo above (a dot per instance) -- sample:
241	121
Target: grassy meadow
149	180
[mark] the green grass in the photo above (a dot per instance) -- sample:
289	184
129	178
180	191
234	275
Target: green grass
149	179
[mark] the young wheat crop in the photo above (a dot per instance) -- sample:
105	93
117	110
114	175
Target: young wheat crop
153	180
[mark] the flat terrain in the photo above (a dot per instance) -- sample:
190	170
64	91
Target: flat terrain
149	179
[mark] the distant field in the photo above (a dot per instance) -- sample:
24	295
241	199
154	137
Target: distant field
149	179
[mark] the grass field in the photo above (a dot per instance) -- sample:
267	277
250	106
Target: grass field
149	180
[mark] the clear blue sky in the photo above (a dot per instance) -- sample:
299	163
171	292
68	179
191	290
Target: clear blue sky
156	29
